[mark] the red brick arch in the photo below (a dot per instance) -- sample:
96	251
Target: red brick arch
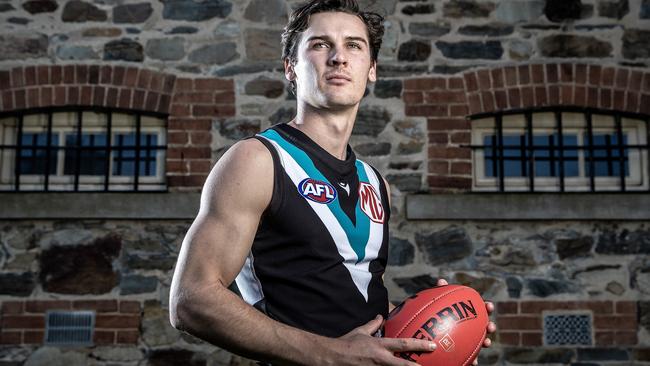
191	104
448	101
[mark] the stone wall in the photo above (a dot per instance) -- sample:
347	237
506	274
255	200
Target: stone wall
213	66
122	270
531	269
239	41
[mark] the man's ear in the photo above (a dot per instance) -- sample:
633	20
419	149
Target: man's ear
289	70
372	73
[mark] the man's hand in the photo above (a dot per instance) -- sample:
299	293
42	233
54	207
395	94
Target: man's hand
491	327
359	347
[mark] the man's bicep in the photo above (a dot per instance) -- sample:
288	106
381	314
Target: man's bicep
234	197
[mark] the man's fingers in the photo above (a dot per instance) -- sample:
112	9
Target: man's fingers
491	328
407	344
489	306
487	342
370	327
442	282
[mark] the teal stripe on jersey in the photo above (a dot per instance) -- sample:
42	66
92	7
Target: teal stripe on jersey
361	173
357	235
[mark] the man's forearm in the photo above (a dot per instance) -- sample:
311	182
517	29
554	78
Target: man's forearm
220	317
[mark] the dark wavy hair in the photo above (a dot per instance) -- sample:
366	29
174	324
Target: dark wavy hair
299	21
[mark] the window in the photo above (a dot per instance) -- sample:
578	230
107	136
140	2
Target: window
560	151
82	150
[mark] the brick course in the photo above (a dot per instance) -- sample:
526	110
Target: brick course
116	322
192	104
520	323
514	87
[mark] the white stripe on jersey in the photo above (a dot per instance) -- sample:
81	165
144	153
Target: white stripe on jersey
248	283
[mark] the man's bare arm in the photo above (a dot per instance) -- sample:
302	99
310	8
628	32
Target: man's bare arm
234	198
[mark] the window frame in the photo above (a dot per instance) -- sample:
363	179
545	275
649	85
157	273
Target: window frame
635	126
77	182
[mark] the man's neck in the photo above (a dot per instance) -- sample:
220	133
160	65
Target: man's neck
330	129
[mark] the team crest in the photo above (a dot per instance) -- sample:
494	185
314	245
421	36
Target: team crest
317	191
370	202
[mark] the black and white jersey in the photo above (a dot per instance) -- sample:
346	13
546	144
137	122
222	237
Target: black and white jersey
321	247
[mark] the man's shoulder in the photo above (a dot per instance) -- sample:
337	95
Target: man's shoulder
244	173
251	147
248	155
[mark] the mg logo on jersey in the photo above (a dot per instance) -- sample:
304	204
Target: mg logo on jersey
317	191
370	202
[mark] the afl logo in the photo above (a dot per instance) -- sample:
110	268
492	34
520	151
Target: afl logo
317	191
370	202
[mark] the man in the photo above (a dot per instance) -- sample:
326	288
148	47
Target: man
298	222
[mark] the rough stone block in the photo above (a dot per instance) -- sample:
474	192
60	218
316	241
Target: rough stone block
636	43
644	13
445	246
378	6
468	9
166	49
3	8
603	354
410	147
83	269
17	284
409	129
400	252
414	50
490	50
489	30
388	88
624	242
613	9
123	49
515	11
270	88
373	149
539	355
262	44
562	10
419	9
132	13
429	29
565	45
405	182
173	357
196	11
415	284
514	287
574	246
219	53
371	120
18	46
79	11
545	288
267	11
137	284
72	52
238	128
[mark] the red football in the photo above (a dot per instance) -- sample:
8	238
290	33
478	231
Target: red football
452	316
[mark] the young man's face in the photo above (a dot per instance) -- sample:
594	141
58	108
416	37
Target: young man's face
334	62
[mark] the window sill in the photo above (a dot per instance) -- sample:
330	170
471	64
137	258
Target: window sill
113	205
529	206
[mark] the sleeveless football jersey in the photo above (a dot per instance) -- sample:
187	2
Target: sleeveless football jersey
321	247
